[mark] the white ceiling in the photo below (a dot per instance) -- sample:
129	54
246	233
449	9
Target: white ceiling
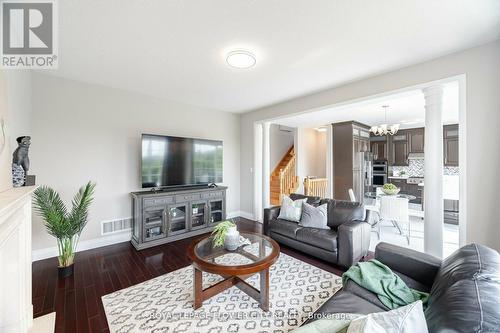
175	49
406	109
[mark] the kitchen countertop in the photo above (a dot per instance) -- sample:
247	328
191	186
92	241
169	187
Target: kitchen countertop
450	185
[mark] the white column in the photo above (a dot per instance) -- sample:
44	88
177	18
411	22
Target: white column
433	205
266	165
329	160
300	159
257	172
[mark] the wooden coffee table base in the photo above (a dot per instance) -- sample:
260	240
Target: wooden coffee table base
261	296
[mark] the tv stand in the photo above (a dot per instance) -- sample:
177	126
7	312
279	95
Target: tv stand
170	214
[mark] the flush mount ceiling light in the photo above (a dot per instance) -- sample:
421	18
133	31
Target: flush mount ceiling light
241	59
384	129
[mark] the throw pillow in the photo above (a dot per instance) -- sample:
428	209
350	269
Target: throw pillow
406	319
291	210
314	217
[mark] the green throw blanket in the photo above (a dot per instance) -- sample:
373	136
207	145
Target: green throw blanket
379	279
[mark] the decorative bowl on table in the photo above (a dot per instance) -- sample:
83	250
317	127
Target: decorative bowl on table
390	189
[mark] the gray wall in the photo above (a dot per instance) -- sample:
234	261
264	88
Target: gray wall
15	100
481	66
87	132
311	155
18	104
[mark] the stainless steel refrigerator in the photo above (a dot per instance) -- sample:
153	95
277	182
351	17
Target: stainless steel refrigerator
363	175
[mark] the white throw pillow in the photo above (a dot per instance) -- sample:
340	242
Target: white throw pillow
291	210
406	319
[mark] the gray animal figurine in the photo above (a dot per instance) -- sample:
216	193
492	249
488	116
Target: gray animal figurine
21	153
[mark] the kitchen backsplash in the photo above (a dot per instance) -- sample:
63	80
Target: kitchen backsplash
451	171
416	169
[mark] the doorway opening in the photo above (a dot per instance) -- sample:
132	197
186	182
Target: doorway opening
325	138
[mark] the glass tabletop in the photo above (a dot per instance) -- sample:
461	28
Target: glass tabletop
374	195
258	250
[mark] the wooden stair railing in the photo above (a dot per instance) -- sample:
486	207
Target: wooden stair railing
288	178
315	187
284	179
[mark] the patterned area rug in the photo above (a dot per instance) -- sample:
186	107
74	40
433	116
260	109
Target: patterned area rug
165	303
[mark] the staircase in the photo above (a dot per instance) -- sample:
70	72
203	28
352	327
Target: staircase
315	187
284	179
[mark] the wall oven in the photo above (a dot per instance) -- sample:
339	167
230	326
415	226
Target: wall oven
379	179
379	173
380	167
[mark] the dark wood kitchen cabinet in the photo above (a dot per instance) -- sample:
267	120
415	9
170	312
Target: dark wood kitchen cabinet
450	145
399	183
416	137
399	149
395	149
349	140
379	149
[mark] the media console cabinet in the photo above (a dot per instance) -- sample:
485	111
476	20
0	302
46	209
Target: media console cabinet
170	215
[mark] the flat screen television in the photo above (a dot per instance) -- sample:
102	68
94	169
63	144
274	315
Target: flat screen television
174	161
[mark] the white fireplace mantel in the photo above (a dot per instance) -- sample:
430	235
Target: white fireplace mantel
16	309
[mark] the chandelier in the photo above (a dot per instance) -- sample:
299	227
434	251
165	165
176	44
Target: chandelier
385	129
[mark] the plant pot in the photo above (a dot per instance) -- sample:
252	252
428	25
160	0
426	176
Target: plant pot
232	240
65	271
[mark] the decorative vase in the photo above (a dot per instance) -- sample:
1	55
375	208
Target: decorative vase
65	271
18	175
232	240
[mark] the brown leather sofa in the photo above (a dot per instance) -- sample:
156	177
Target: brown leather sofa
344	244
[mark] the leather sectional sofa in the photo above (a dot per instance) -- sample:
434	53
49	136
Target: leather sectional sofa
344	244
464	288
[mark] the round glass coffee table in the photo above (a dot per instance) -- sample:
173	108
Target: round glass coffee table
234	266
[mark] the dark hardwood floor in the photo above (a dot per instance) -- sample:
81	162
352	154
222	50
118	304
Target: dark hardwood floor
77	299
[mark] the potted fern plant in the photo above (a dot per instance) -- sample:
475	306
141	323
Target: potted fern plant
66	226
222	230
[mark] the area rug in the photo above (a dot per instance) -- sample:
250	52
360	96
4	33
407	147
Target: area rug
165	303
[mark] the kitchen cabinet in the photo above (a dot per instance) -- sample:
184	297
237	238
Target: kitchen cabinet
399	149
379	150
415	190
349	139
359	144
399	183
450	145
395	149
416	138
406	188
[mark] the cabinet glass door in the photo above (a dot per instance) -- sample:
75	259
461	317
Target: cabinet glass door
154	226
216	210
198	214
177	218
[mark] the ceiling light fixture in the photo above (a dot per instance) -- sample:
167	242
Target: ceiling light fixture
384	129
241	59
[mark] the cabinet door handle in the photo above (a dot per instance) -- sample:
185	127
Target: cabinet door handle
165	222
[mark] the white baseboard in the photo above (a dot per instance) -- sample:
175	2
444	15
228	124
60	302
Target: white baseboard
108	240
247	215
240	213
83	245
